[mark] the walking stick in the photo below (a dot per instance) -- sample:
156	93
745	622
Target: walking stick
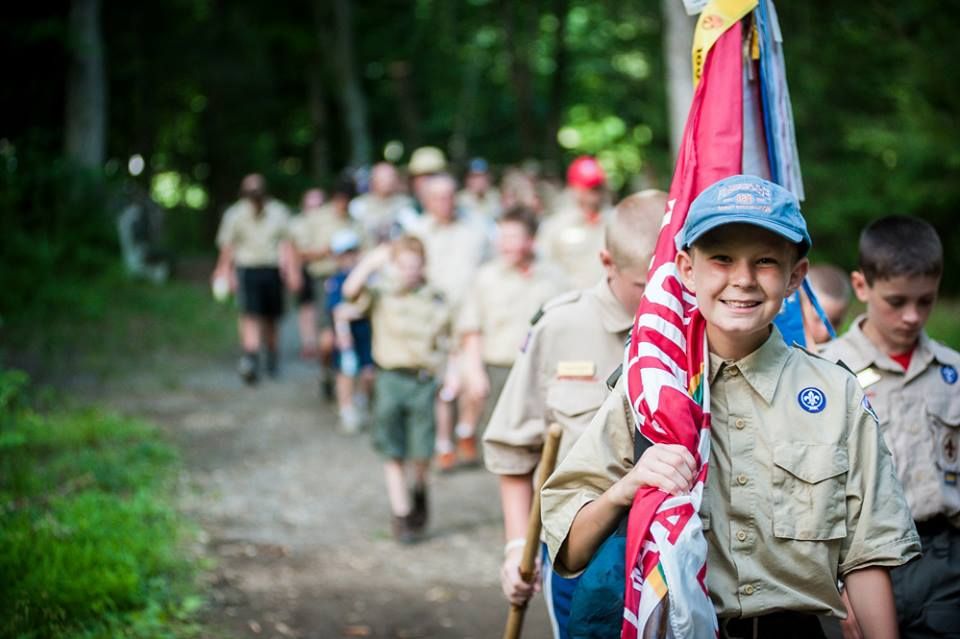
548	460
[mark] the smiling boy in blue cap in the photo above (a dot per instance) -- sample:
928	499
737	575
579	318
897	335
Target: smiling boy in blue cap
801	490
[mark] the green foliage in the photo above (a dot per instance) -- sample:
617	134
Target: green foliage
90	543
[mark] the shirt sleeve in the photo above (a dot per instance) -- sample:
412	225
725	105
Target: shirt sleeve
514	433
225	233
601	456
880	529
470	318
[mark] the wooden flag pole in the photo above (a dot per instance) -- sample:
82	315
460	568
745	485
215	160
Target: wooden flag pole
548	460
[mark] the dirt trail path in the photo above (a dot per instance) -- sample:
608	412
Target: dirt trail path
296	517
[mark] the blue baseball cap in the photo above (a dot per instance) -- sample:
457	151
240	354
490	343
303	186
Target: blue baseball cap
344	240
478	165
747	199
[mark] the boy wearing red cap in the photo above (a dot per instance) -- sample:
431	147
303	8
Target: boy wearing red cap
573	237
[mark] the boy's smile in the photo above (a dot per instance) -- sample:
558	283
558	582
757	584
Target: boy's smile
740	274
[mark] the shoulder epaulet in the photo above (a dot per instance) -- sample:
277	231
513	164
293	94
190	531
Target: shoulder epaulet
561	300
838	362
615	376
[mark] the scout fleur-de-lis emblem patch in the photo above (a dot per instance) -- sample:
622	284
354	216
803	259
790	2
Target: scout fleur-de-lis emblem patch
812	399
949	374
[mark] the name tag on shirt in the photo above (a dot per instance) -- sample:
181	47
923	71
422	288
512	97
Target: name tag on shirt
868	377
576	369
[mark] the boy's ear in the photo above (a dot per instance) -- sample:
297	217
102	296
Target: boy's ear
797	274
684	264
860	286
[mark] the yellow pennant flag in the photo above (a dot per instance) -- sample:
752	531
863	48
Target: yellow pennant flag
715	18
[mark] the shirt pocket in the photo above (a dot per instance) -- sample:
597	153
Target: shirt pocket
809	491
573	403
943	419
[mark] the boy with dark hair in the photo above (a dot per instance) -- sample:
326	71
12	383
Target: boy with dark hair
494	319
800	489
410	318
911	380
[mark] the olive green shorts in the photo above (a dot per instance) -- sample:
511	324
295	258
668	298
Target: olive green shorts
403	420
498	379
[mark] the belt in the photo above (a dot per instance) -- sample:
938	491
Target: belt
776	625
935	526
422	374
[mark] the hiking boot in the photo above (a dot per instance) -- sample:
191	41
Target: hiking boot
446	462
420	513
467	451
273	366
247	368
403	531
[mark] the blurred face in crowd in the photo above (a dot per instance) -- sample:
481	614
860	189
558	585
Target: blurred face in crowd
347	260
312	199
384	180
253	187
588	200
340	203
409	268
834	309
897	308
478	183
514	243
439	194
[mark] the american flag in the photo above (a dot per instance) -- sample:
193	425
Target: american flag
666	560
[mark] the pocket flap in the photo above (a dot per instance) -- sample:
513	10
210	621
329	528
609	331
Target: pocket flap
573	398
811	462
946	411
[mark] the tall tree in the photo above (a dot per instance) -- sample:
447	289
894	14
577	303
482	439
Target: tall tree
518	52
86	108
558	84
677	44
351	93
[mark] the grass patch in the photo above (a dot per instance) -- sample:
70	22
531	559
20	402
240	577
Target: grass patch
115	324
91	544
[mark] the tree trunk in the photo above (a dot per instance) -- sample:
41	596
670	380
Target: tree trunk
320	147
86	109
351	93
677	43
400	77
520	77
558	84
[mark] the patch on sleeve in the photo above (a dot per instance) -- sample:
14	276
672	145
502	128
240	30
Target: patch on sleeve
526	341
812	399
949	374
867	407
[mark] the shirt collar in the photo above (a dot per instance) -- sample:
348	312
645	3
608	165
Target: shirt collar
613	316
761	369
866	353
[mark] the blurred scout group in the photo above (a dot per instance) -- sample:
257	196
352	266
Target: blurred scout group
442	316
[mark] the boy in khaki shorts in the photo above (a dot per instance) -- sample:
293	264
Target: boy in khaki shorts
911	380
409	320
575	342
495	316
801	489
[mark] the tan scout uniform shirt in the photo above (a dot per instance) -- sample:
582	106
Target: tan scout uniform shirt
454	253
313	230
501	302
801	487
408	327
560	376
488	207
378	215
254	239
919	411
573	244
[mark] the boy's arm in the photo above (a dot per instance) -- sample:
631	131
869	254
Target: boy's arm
871	597
516	499
356	282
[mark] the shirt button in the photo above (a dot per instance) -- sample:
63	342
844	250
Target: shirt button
748	589
740	424
742	536
742	480
732	371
